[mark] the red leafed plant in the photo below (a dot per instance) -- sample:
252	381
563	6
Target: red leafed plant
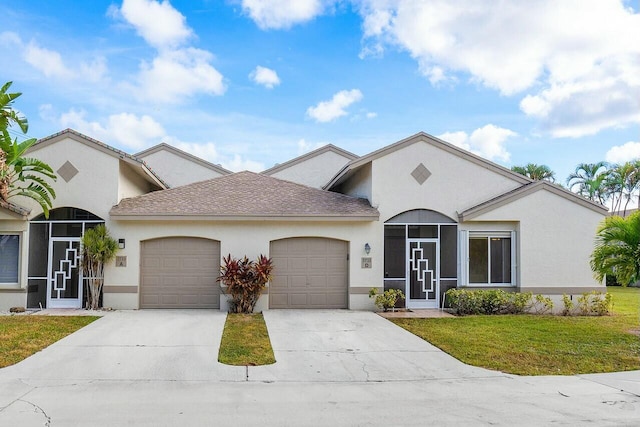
244	281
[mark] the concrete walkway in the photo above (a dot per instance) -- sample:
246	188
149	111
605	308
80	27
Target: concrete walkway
155	368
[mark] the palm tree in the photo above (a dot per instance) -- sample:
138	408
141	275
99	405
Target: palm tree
622	183
98	249
590	179
19	175
535	172
7	114
24	176
617	249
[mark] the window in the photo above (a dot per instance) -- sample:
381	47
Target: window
9	258
490	259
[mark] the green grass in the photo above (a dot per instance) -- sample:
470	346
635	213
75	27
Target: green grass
245	341
541	345
22	336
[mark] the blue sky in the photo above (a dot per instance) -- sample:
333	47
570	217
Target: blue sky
251	83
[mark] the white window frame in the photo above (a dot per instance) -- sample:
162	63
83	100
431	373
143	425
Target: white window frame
20	235
464	244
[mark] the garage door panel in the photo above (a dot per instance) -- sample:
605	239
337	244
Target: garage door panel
297	282
318	263
309	272
180	272
296	264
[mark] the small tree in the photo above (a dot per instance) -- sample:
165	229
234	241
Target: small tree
98	249
245	281
617	249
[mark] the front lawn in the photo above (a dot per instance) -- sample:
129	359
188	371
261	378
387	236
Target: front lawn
245	341
541	345
22	336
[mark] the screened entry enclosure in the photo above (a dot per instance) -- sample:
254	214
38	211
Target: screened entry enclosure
54	273
420	256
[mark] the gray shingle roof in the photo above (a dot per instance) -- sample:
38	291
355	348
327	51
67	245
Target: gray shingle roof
245	195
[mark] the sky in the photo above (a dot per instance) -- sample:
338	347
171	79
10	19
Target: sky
251	83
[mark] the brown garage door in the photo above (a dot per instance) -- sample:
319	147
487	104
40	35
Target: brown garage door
180	272
309	272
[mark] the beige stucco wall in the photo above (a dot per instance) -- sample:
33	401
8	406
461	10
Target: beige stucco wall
359	184
314	172
240	238
555	240
131	183
455	184
175	170
94	188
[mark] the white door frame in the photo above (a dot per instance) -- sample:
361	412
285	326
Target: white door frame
51	276
412	303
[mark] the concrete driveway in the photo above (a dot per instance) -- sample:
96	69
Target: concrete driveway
153	368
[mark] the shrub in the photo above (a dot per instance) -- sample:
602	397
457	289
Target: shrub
568	305
244	281
388	299
519	302
594	303
541	305
492	301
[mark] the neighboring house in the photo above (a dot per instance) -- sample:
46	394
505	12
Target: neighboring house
421	215
315	168
177	167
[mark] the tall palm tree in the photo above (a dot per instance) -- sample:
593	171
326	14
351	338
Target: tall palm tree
535	172
19	175
622	183
7	114
590	180
617	249
24	176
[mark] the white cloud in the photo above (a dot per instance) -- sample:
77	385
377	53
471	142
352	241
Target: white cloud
265	76
47	61
50	62
282	14
177	71
208	151
124	129
581	70
327	111
371	115
238	163
176	74
623	153
305	147
488	141
158	23
135	133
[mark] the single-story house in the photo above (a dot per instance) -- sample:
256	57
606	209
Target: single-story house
420	215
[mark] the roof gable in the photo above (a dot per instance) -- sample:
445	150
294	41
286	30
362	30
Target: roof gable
180	153
524	191
352	166
138	165
301	159
242	196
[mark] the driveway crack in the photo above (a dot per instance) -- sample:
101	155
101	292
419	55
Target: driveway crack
364	366
47	418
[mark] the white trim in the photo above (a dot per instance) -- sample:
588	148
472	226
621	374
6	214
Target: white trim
419	303
20	234
489	235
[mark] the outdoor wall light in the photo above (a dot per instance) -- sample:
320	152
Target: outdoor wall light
121	244
367	248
